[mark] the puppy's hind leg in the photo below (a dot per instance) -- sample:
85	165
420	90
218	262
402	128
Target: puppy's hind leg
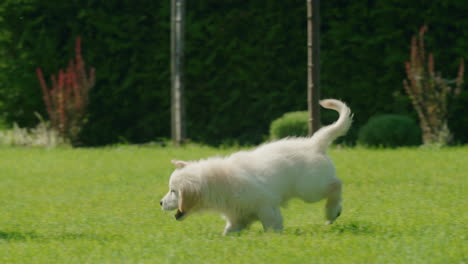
333	205
271	218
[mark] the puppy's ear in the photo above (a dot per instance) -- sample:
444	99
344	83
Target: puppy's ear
179	163
188	198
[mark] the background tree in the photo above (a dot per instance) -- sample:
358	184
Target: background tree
313	64
178	126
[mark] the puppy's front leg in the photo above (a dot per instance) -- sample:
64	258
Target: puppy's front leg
271	218
333	205
232	227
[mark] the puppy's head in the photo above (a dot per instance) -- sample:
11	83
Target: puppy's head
184	191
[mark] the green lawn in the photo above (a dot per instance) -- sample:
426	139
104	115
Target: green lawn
102	206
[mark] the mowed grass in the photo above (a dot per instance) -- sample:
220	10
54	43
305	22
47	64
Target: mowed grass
102	206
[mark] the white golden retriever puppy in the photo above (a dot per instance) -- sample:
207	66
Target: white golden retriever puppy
252	185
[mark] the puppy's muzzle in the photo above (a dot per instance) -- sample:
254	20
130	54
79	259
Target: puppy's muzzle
179	215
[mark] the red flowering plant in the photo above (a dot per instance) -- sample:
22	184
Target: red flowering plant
429	92
67	99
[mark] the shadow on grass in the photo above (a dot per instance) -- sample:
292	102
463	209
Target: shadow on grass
18	236
356	228
33	236
353	228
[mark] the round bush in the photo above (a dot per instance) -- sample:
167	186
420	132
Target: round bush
390	131
292	124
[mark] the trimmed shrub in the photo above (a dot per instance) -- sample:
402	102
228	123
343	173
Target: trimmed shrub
390	131
292	124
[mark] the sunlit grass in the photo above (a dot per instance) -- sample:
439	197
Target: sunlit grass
102	206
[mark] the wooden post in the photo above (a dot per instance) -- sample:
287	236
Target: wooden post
178	129
313	64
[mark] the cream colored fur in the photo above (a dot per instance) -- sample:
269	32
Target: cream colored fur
252	185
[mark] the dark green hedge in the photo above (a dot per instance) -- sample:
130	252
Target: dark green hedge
390	131
246	61
127	43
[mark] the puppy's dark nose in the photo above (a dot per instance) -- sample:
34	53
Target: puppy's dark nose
160	202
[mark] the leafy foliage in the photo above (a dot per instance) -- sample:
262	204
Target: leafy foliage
458	119
67	100
390	131
43	135
429	92
126	40
246	61
293	124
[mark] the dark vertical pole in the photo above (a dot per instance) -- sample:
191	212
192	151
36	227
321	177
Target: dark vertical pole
313	64
177	73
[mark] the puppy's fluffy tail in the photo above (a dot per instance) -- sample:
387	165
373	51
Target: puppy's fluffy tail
326	135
